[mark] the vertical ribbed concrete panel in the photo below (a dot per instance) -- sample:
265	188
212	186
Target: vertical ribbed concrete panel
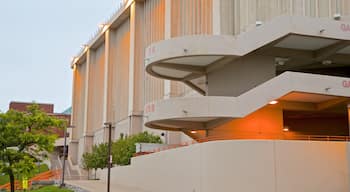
95	98
153	31
238	16
79	100
191	17
118	74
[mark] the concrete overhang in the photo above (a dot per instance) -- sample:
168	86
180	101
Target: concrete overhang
198	113
190	57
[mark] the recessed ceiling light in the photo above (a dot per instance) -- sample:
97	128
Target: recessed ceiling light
327	62
280	61
273	102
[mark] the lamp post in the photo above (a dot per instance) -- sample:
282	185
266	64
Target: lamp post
109	125
64	155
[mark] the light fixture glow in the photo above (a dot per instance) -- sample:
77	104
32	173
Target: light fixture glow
193	132
273	102
285	129
327	62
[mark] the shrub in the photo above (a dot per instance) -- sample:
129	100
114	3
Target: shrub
124	148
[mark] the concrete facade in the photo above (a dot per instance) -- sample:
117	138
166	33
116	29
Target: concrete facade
245	165
207	70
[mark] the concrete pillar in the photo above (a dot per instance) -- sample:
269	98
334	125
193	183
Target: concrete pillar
136	68
86	91
73	151
216	18
105	84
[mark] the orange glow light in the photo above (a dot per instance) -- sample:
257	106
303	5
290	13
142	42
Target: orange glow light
193	132
285	129
273	102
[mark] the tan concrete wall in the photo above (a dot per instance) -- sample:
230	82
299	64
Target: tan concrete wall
95	91
191	17
241	75
245	166
73	152
238	16
118	73
153	32
79	100
266	123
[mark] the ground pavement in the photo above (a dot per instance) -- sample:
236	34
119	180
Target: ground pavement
101	186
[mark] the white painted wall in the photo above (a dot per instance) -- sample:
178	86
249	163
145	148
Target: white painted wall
241	165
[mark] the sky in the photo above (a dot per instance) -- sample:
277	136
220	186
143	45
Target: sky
38	40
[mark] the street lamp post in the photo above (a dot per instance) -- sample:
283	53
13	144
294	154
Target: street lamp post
109	125
64	156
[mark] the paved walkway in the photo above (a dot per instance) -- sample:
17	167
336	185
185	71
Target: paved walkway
100	186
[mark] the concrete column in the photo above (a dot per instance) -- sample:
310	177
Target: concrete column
86	91
105	81
105	85
216	17
73	151
136	68
87	137
73	135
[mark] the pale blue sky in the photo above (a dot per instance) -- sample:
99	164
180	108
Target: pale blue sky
38	39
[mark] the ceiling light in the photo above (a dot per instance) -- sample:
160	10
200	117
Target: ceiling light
327	62
280	61
285	129
273	102
193	132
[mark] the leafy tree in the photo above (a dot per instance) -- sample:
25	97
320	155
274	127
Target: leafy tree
86	162
97	159
124	148
22	141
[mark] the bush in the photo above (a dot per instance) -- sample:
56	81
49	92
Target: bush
122	151
124	148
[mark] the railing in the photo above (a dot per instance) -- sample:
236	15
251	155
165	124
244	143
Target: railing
257	137
45	176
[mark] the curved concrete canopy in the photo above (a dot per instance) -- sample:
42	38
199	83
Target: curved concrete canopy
189	57
208	112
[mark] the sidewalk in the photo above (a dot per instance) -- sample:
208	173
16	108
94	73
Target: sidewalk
98	185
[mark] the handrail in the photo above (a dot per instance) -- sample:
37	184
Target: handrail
48	175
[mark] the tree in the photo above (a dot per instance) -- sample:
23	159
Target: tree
97	159
22	142
124	148
86	162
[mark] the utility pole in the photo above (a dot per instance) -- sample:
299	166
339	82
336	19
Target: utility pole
109	125
64	155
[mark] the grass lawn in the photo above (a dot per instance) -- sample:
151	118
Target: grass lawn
51	189
42	168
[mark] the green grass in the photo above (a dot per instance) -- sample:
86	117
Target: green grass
51	189
40	169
